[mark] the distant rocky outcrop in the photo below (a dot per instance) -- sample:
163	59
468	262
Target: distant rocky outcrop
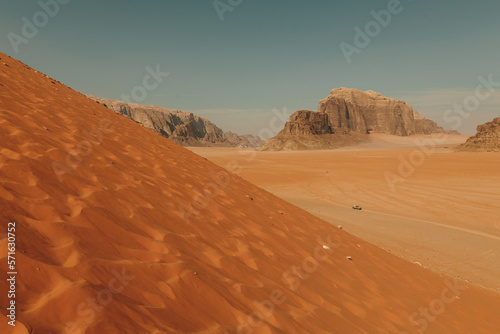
346	117
427	127
243	140
487	138
182	127
309	130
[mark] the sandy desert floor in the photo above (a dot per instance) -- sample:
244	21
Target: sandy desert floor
444	214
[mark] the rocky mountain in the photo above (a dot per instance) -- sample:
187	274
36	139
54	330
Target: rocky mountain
243	140
487	138
346	116
182	127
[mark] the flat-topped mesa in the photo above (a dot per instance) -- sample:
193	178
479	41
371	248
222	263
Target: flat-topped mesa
354	110
345	117
487	138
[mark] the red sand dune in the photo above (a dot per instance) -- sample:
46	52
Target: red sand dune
103	246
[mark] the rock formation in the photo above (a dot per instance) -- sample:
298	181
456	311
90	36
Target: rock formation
487	138
184	128
243	140
351	110
345	117
309	130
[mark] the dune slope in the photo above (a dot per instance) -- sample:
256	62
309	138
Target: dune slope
113	236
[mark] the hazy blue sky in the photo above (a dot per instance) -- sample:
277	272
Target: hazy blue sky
265	54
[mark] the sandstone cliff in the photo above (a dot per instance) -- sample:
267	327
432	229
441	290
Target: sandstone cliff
184	128
350	115
487	138
353	110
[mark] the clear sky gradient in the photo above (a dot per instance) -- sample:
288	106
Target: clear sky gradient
266	54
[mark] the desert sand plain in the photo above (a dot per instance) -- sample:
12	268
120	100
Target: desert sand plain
445	215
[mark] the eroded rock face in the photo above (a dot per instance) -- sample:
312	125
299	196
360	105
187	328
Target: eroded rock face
487	138
353	110
355	113
184	128
306	122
